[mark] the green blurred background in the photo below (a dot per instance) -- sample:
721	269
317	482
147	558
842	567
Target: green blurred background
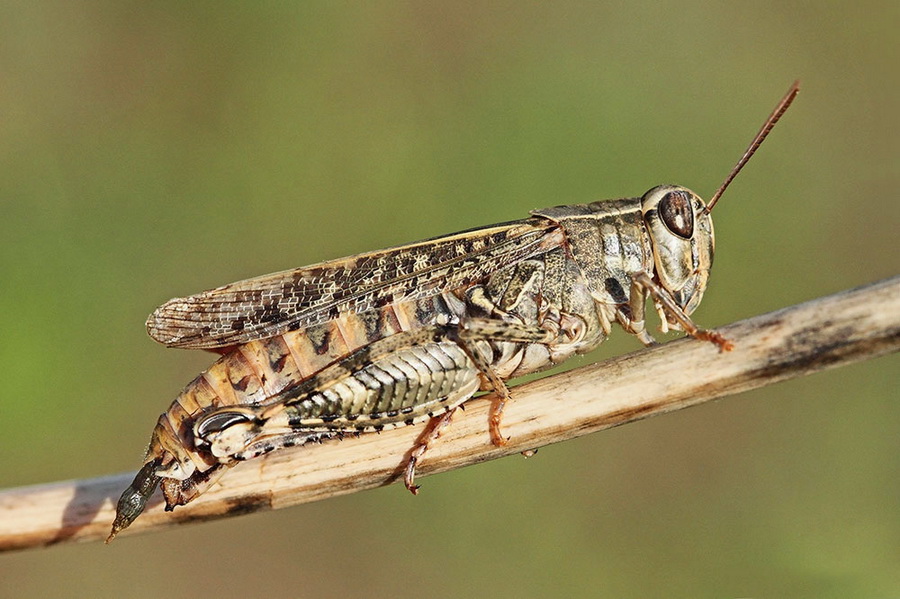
148	151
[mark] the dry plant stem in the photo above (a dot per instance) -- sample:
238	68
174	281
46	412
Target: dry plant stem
823	333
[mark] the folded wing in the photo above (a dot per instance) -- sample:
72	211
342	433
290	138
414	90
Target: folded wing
293	299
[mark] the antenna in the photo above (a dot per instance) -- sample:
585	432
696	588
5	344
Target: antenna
757	141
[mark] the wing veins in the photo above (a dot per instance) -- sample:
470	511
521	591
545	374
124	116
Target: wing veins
272	304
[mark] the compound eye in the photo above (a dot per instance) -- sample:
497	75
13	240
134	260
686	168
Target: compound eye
218	422
677	214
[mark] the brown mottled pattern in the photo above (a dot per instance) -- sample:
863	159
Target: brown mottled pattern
309	366
315	347
295	299
608	250
527	273
259	372
270	362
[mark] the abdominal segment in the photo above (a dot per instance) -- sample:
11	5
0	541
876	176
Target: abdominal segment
406	385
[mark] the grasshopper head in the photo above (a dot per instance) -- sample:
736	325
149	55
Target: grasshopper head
681	234
681	229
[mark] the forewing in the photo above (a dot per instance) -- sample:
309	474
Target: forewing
293	299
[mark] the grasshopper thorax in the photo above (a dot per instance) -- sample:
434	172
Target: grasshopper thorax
682	241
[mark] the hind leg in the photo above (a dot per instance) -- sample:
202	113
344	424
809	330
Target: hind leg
435	426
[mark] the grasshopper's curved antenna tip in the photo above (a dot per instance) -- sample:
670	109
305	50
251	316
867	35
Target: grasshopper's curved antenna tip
757	141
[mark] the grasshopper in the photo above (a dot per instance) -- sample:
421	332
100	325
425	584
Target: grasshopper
403	335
